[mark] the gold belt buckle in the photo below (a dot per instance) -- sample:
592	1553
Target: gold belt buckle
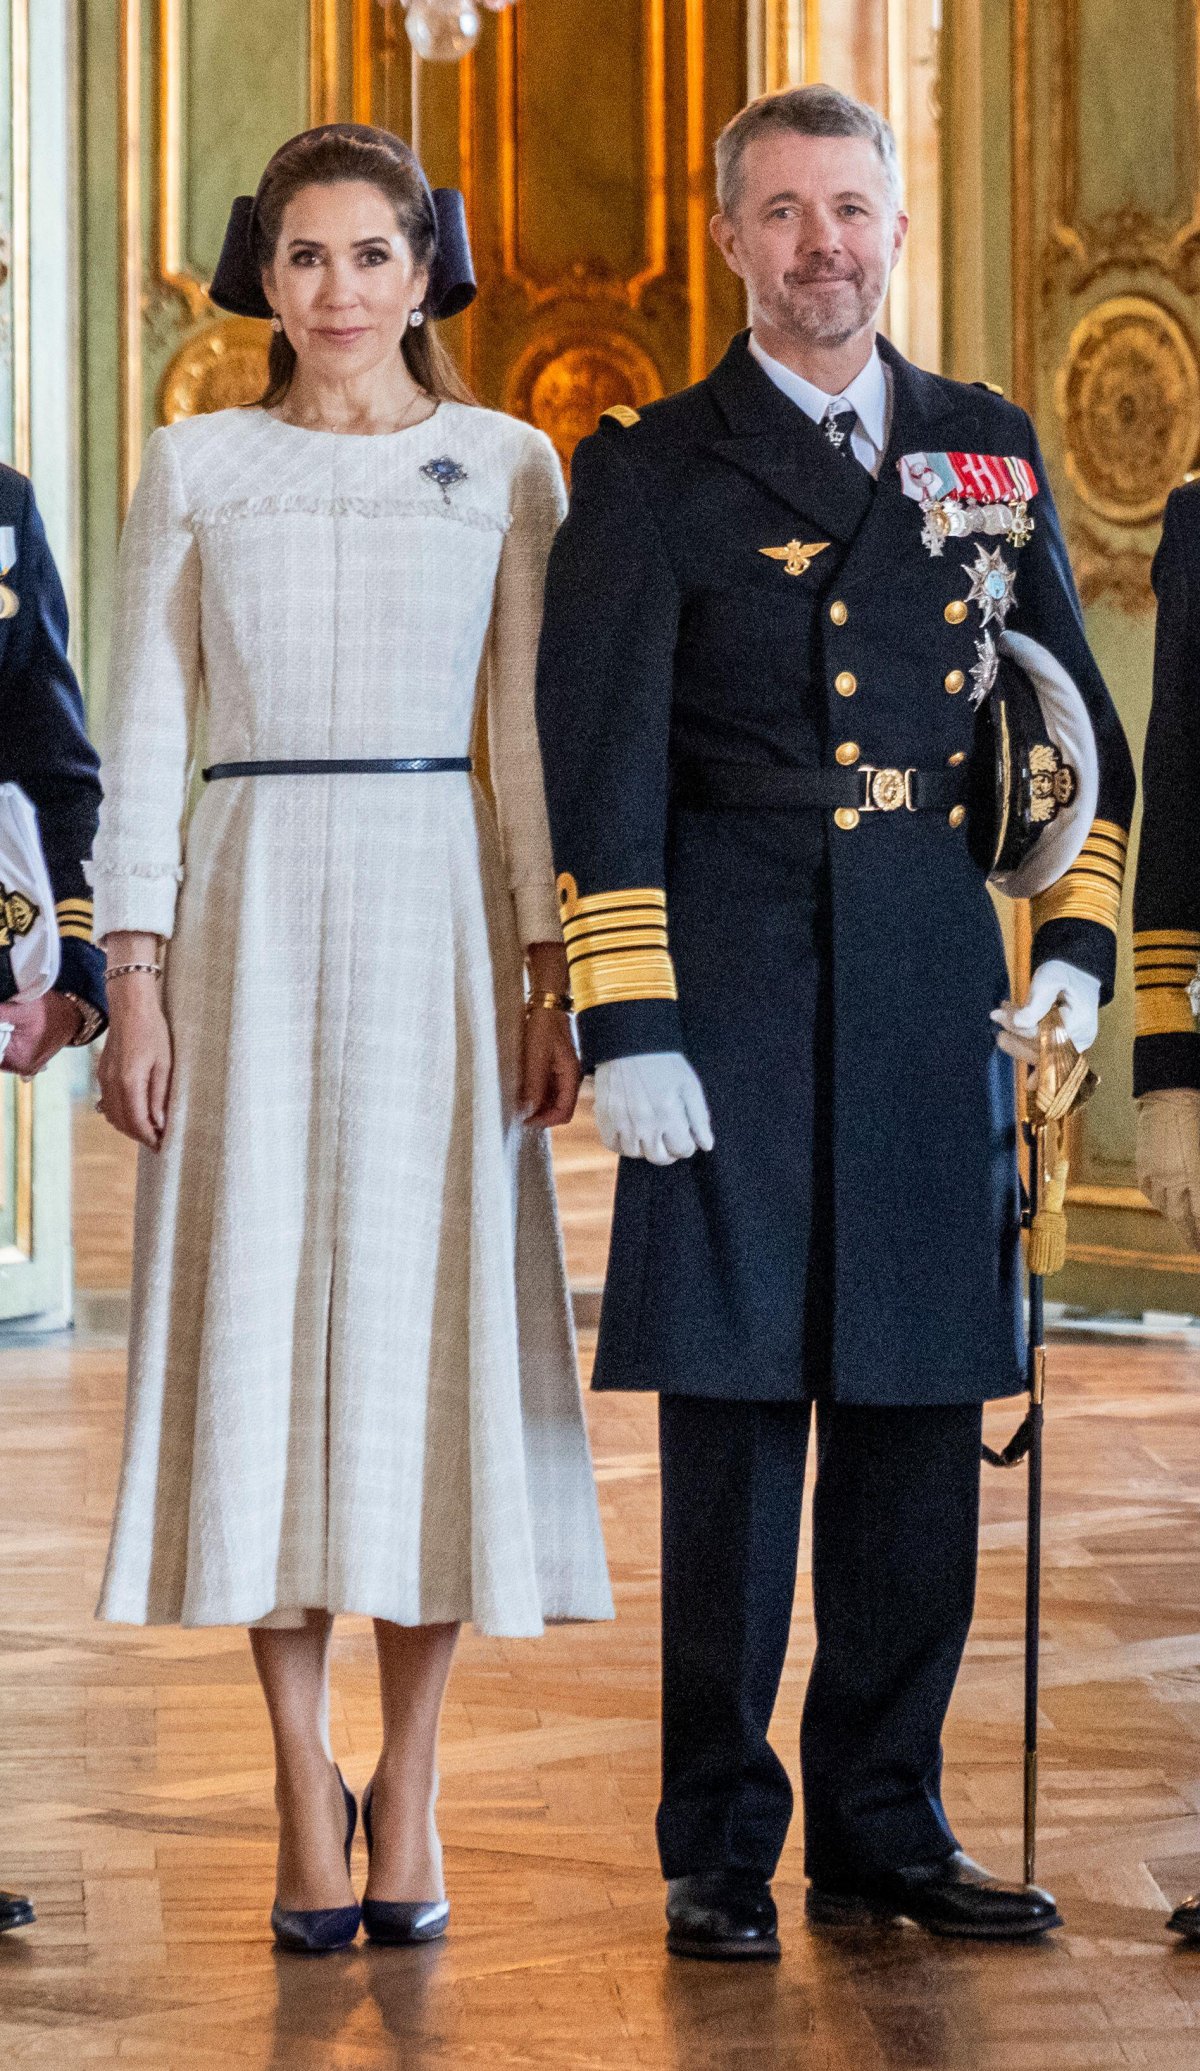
886	790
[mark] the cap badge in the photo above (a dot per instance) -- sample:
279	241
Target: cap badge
17	916
1053	783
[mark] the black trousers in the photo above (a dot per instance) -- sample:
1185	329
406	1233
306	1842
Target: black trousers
895	1538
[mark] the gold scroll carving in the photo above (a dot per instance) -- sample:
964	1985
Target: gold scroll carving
1129	396
218	368
562	384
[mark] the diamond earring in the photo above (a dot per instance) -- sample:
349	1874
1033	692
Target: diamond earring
417	319
276	323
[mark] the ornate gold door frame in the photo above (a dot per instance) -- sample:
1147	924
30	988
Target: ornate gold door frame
1105	277
886	52
563	326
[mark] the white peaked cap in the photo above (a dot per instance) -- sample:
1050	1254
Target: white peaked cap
23	876
1070	728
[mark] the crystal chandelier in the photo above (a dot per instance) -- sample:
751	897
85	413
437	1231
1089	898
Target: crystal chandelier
442	31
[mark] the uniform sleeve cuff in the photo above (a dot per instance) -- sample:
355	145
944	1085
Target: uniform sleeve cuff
537	914
81	971
628	1028
1162	1063
1084	943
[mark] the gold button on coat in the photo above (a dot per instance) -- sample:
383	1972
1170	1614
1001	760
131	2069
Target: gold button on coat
845	684
848	752
957	757
956	612
838	613
846	817
955	681
957	815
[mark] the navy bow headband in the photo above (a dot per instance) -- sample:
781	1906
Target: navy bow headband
237	282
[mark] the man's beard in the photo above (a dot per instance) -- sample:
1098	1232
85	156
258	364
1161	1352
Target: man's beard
823	309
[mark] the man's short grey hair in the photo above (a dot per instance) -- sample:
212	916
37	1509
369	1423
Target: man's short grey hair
802	111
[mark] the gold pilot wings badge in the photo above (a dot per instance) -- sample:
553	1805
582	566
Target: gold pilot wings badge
796	557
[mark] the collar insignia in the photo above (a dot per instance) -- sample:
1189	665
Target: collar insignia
796	558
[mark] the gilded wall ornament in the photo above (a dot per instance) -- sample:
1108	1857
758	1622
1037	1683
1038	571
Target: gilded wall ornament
218	368
1129	396
562	383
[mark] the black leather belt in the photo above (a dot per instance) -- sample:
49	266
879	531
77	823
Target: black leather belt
395	765
865	788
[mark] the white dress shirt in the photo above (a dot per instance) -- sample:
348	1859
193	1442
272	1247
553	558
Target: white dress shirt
869	395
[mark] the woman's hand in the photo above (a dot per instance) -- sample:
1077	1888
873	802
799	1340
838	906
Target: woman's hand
135	1065
551	1073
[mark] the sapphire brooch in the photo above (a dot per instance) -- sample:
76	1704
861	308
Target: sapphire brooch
446	473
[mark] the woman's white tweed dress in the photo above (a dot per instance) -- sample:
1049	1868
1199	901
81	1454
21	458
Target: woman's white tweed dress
352	1377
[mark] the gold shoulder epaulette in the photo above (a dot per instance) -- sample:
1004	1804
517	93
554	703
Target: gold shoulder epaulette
624	413
993	387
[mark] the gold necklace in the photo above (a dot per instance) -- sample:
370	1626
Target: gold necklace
316	424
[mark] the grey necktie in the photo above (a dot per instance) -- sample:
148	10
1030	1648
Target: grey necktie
837	426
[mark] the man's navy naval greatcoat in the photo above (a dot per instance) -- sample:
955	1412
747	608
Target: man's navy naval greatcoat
43	741
854	1233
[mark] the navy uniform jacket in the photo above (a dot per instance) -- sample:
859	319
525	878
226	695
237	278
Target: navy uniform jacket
855	1230
43	743
1166	899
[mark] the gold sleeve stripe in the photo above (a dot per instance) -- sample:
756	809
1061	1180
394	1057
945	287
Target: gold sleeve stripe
624	938
1108	830
1166	938
1101	866
75	930
575	908
602	981
74	909
1164	974
1162	1010
1091	888
1072	900
616	944
621	917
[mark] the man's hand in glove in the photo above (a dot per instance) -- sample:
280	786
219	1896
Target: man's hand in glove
652	1107
1075	993
1168	1157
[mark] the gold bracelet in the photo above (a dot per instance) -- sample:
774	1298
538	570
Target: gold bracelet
550	1003
127	970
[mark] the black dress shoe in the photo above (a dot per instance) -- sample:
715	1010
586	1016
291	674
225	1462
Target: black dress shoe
320	1930
954	1896
1185	1920
725	1916
399	1923
15	1911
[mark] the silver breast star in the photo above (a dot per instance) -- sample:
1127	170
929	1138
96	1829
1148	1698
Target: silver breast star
986	670
992	583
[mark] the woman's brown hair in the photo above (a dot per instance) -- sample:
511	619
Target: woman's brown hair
320	161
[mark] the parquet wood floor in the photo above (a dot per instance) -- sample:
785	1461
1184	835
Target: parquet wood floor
135	1785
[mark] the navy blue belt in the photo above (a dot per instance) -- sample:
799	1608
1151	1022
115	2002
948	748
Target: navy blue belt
394	765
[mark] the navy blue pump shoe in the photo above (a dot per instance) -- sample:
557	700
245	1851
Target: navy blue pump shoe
319	1932
400	1923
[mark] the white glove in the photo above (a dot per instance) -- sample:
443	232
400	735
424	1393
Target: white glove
1075	993
652	1107
1168	1157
